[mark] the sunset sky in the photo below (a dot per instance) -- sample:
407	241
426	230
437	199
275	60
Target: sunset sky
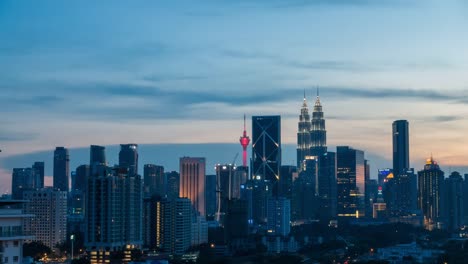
108	72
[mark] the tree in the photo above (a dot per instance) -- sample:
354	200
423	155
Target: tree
36	250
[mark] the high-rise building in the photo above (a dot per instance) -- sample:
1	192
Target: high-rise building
266	150
241	175
305	192
78	192
303	133
173	184
400	146
211	196
128	157
192	182
38	172
236	222
318	134
327	186
256	192
350	182
12	235
168	224
61	169
21	180
97	155
199	230
80	179
430	186
113	211
279	216
154	180
49	209
225	185
379	207
453	201
286	180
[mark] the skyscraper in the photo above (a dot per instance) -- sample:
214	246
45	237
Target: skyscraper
430	186
97	155
61	168
49	223
286	179
400	146
154	180
38	172
173	184
211	196
453	201
318	134
327	186
303	133
192	182
350	182
279	216
225	185
305	192
21	180
128	157
266	149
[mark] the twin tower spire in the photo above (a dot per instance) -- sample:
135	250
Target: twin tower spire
311	134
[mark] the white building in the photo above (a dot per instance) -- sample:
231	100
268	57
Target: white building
12	235
49	210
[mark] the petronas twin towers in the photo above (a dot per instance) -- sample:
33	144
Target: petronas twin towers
311	134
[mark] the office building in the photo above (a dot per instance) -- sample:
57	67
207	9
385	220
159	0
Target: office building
453	201
97	155
154	180
430	186
304	195
173	184
236	226
38	173
256	192
225	182
350	182
61	169
327	186
199	230
279	216
12	234
21	180
211	196
128	158
303	133
400	146
286	179
192	182
266	150
318	134
241	175
177	234
49	221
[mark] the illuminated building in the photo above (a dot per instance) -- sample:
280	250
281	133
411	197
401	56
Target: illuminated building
379	208
228	182
154	180
318	134
266	150
350	182
192	182
61	168
244	141
114	209
303	134
49	209
430	186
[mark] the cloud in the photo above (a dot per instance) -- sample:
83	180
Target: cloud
17	136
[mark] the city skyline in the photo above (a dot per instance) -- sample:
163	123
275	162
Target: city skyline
126	73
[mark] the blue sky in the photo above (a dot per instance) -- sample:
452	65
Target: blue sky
109	72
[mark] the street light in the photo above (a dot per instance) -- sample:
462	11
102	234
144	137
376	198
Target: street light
72	238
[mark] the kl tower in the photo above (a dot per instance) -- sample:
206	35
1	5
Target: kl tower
244	141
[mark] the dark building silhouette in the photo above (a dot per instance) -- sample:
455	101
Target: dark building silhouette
318	134
128	157
303	134
327	186
211	196
256	192
173	182
236	226
80	178
350	182
61	169
304	204
400	146
266	150
154	180
430	187
21	180
38	172
97	155
453	201
286	179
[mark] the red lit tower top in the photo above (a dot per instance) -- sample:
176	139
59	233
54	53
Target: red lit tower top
244	141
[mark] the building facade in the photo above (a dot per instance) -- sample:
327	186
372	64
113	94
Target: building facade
193	183
430	187
61	169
